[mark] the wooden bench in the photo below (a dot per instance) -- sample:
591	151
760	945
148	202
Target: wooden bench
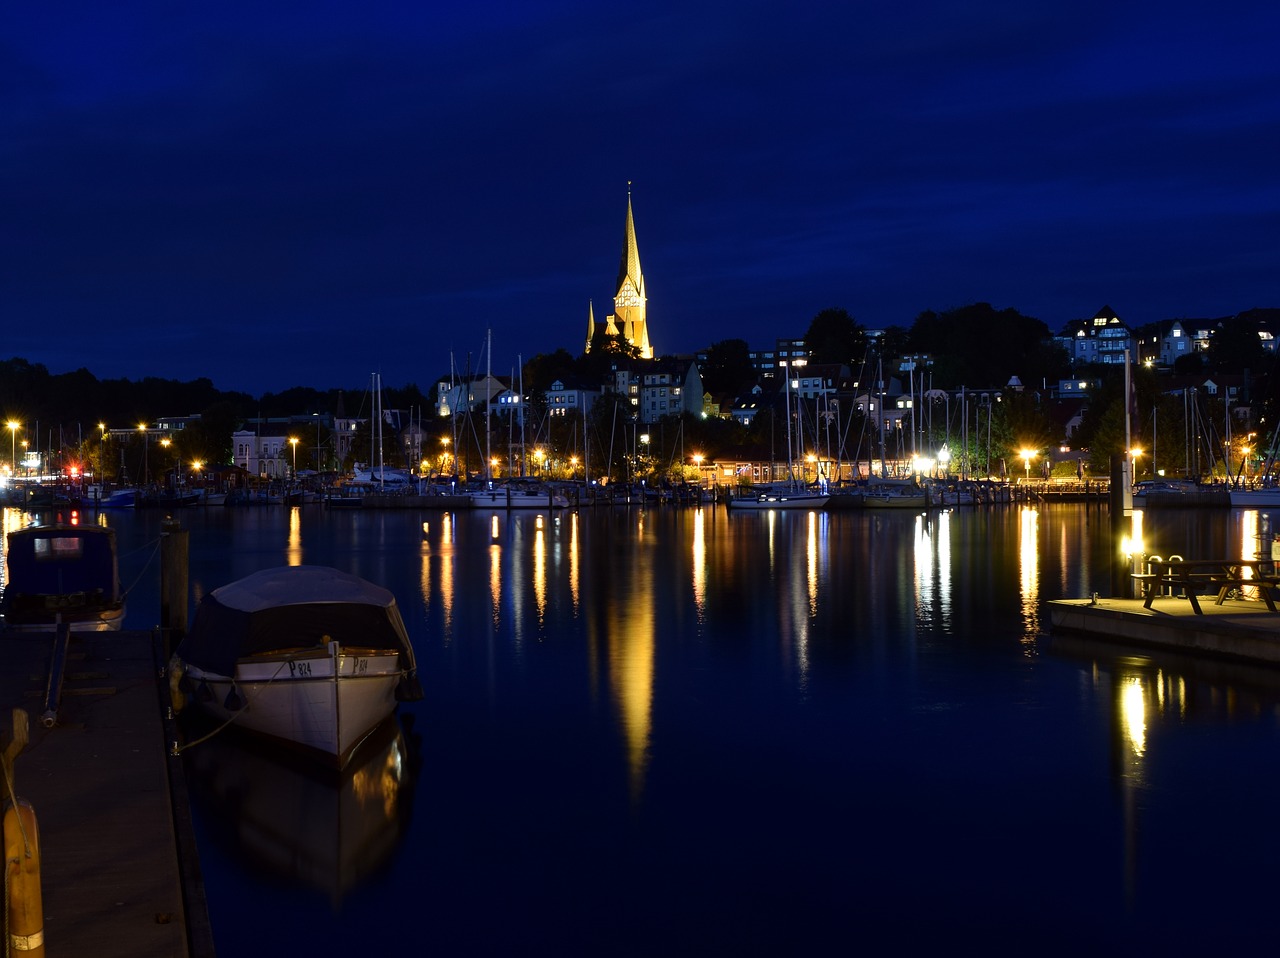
1220	576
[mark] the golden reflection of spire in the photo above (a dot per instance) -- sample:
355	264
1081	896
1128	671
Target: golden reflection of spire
699	564
631	657
1029	571
540	569
294	552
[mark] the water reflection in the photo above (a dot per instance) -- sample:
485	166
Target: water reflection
647	682
1029	574
293	552
274	813
698	556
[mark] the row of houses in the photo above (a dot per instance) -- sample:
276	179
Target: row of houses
673	386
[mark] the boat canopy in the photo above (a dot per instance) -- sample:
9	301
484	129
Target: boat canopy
289	608
58	560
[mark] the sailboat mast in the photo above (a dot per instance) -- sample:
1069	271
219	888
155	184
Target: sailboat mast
786	393
488	397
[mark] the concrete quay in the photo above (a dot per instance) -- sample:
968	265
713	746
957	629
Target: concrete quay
119	871
1241	629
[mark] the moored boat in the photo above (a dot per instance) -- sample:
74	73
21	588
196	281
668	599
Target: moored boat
508	495
795	498
62	574
310	656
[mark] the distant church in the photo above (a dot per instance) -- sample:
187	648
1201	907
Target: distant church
628	317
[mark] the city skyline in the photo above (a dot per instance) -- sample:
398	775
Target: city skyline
307	195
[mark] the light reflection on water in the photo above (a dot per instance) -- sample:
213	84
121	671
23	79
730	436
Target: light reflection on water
760	732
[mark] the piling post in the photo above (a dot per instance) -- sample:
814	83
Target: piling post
1119	528
174	557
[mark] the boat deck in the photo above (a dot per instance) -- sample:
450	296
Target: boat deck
119	872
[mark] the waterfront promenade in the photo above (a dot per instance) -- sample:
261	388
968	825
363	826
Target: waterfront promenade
119	874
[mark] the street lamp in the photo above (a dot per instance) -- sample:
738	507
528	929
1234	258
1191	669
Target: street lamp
26	469
146	452
293	441
1027	455
13	446
539	456
1134	456
697	464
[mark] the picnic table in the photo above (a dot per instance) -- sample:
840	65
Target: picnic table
1164	577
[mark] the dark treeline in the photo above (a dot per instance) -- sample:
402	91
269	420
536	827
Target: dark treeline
30	393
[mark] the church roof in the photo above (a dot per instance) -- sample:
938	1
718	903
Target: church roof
629	268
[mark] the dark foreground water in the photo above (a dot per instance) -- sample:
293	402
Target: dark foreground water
691	732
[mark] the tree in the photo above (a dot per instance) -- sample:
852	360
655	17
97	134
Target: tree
833	337
978	345
727	369
1236	347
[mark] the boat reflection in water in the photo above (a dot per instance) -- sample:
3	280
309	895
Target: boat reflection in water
273	812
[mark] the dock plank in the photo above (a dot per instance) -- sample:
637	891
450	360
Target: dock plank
112	879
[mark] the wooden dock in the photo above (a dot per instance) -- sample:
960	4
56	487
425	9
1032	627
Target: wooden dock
1242	629
119	872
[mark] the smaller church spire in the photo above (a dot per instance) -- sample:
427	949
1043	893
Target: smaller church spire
591	324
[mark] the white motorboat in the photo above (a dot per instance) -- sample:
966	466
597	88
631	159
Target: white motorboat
797	498
515	495
307	655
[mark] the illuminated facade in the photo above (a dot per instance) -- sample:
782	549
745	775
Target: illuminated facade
629	319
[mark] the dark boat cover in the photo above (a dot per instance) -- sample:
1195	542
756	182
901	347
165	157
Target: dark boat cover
292	607
61	560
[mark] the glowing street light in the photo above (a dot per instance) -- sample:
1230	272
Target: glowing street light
13	446
168	444
1134	456
293	441
146	452
1027	456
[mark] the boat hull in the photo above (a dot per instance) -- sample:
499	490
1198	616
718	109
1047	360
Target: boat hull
323	701
507	499
778	501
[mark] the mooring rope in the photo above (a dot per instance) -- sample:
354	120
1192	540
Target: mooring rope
179	749
154	545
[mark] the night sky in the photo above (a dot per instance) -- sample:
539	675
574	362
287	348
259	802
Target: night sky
279	194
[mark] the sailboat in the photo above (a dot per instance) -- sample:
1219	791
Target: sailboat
517	492
794	494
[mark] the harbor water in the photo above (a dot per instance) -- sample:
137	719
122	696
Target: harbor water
689	731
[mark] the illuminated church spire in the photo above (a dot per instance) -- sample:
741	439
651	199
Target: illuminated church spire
629	300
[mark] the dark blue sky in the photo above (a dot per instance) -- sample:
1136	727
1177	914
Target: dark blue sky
278	194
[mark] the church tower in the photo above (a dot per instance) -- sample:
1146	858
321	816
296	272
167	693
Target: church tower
628	319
